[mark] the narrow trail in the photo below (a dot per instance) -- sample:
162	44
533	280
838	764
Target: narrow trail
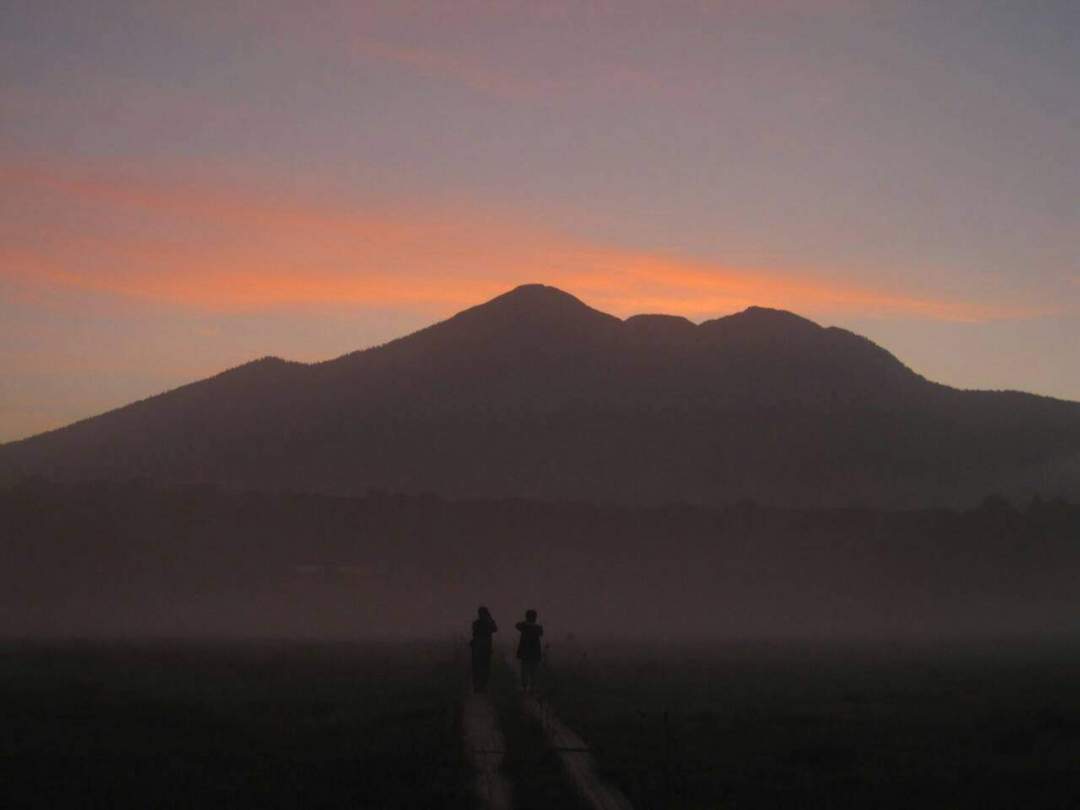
576	758
485	748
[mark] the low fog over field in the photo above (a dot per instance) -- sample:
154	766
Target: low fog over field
91	559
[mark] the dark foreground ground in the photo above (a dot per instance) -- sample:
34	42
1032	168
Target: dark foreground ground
230	725
829	726
376	726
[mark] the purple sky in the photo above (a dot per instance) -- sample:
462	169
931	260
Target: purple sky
188	186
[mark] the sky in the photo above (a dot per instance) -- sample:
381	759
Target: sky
186	186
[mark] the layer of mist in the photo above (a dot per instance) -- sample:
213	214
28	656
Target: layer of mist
135	559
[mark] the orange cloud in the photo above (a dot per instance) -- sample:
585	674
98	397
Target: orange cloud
226	249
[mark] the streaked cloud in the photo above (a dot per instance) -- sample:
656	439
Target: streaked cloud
224	248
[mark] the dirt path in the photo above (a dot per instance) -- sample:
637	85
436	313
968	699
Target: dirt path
576	758
485	748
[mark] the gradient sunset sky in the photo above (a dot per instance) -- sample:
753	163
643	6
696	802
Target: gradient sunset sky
191	185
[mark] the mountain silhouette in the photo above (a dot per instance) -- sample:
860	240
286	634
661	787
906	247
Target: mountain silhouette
535	394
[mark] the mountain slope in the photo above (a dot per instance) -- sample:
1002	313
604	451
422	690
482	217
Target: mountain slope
536	394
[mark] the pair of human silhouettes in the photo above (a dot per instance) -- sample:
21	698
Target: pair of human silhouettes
529	650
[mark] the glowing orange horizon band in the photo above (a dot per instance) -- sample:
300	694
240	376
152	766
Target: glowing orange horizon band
223	251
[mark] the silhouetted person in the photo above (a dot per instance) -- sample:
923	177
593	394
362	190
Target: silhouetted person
482	629
529	651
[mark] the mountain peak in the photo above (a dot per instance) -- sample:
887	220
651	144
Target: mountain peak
668	329
771	315
536	304
537	296
763	322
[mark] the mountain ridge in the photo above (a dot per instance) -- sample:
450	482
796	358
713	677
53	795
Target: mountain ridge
536	394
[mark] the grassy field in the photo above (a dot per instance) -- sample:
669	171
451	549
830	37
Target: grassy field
231	725
828	726
275	724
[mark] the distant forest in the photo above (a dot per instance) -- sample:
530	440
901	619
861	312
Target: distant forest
117	559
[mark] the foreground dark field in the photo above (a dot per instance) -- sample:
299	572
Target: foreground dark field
828	726
230	724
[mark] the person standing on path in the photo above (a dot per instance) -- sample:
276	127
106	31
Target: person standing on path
529	651
482	629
